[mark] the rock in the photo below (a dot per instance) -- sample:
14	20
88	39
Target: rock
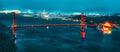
6	39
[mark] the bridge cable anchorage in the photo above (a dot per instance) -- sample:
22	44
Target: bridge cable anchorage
82	25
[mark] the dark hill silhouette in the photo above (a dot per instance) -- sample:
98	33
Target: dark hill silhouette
6	39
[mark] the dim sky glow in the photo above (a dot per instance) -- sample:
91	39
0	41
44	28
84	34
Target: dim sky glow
63	5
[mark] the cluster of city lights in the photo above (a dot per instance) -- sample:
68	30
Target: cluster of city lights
106	27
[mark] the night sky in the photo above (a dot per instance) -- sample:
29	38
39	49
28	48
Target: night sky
63	5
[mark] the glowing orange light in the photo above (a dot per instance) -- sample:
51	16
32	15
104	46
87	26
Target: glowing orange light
107	24
10	11
106	27
14	26
16	11
82	34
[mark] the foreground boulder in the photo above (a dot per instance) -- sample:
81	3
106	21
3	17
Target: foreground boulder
6	39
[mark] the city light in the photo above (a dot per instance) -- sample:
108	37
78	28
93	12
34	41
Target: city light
106	27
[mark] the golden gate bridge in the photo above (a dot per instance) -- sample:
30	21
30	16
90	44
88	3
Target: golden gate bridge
104	27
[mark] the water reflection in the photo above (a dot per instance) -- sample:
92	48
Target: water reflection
106	43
